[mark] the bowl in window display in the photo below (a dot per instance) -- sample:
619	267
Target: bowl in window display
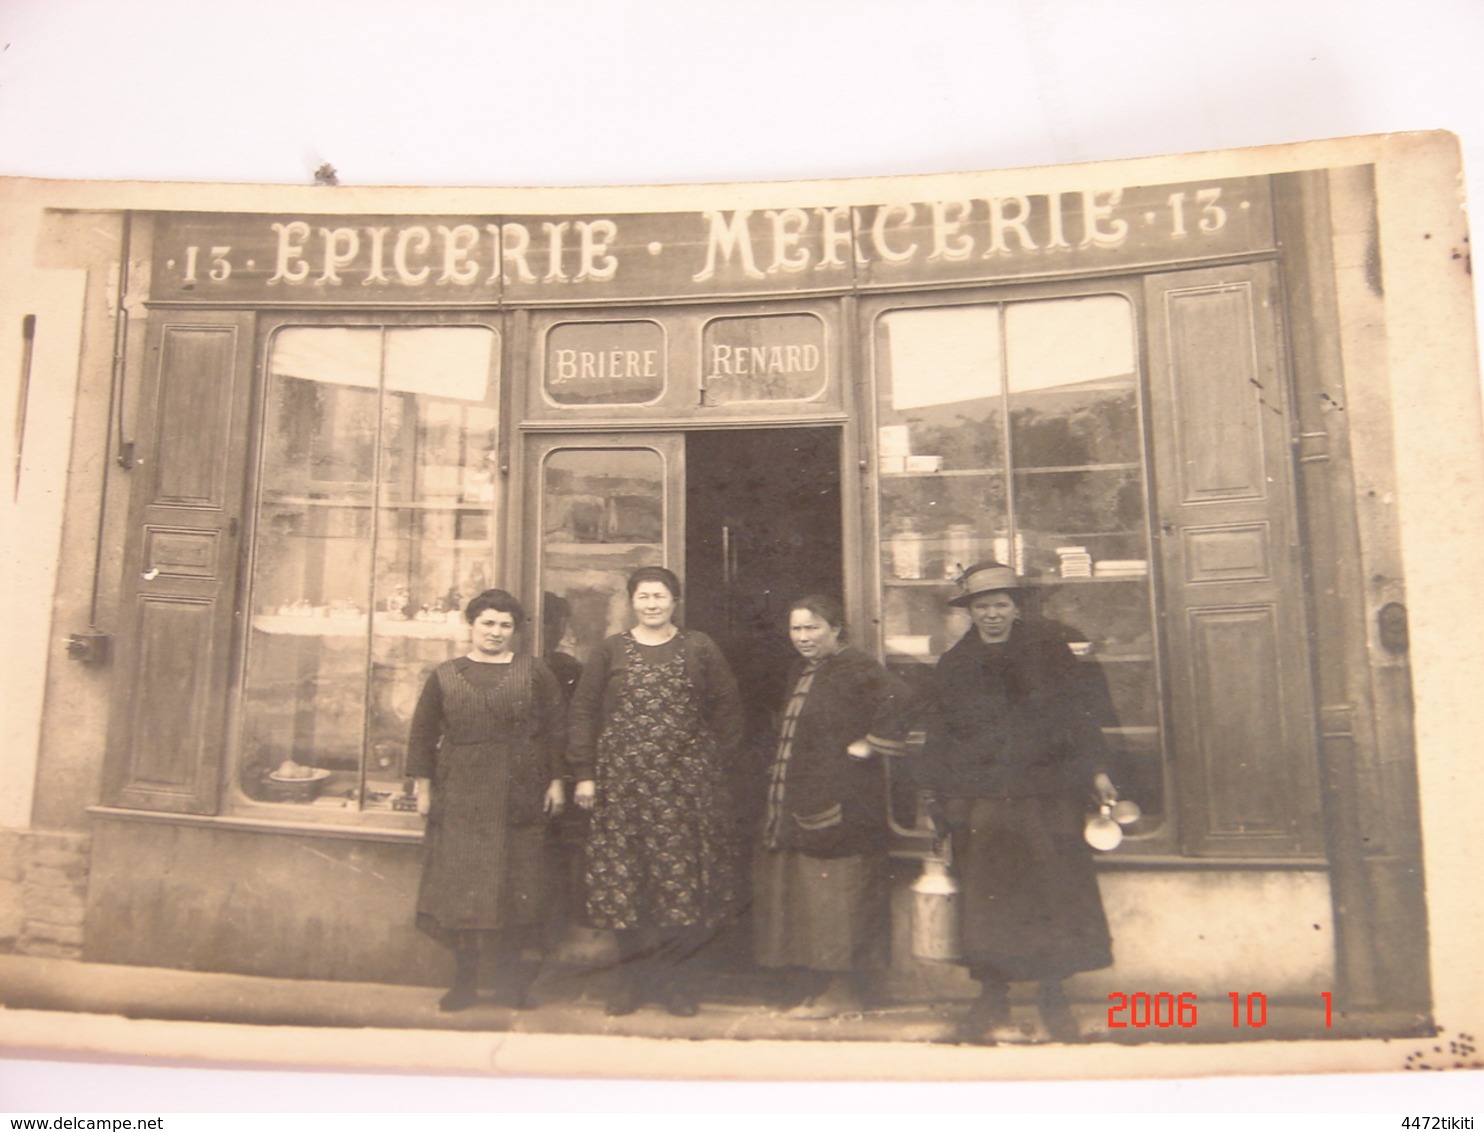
293	782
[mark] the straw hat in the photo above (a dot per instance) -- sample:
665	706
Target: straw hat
983	578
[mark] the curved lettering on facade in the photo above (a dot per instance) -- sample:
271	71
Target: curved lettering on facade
535	260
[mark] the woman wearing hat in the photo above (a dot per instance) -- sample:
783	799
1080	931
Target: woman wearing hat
1014	752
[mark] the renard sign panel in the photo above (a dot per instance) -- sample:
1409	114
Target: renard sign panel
482	260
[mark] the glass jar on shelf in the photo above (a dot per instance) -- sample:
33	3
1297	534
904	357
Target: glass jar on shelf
906	551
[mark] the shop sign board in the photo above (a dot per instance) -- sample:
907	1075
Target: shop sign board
348	260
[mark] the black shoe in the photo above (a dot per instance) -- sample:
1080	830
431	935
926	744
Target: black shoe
460	996
465	987
1056	1014
989	1012
682	1003
623	1000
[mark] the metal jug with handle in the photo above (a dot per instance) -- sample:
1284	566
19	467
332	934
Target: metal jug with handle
935	908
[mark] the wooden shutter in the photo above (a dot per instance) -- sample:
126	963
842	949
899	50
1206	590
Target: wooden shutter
1240	695
177	603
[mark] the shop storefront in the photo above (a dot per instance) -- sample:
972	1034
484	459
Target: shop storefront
326	431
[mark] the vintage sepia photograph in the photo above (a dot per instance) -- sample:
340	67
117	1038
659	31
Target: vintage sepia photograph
990	621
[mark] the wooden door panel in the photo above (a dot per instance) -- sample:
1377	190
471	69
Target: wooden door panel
174	641
1216	394
1234	661
1230	553
190	463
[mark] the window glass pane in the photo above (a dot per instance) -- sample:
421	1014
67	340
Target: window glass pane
321	418
1073	384
339	355
374	526
603	516
941	466
1075	438
441	361
1080	509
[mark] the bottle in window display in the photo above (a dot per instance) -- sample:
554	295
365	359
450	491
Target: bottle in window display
960	550
907	550
399	602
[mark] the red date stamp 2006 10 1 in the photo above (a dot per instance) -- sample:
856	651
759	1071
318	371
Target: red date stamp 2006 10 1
1141	1010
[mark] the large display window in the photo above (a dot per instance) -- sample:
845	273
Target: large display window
374	524
1014	431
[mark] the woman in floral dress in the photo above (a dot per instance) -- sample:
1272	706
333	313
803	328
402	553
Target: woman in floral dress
654	721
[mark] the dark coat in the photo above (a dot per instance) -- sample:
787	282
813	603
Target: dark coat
1014	740
1015	719
852	697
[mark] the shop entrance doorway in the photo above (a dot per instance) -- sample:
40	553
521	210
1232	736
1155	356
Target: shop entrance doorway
762	528
751	518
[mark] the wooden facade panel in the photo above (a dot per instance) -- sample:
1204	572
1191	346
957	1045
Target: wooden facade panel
1228	554
1239	716
189	554
176	640
190	460
1216	397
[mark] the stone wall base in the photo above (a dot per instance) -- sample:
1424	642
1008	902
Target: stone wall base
43	892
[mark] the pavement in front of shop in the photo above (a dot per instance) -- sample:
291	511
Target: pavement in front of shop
572	1007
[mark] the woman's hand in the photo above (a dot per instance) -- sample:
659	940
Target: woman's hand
1103	787
860	749
556	798
584	794
423	788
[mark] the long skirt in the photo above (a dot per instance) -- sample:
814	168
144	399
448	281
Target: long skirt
490	877
1031	906
826	914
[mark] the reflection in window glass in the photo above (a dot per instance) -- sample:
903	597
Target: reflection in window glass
1069	342
1072	383
602	518
1013	431
374	526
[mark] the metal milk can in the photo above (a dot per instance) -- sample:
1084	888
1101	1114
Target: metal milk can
935	910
